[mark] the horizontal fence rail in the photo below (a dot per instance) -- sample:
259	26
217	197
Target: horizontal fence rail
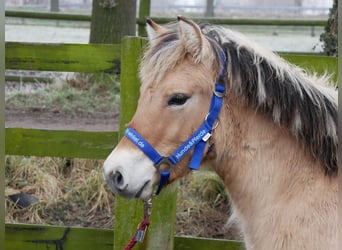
48	15
63	57
39	237
261	22
315	64
142	20
42	237
106	58
59	143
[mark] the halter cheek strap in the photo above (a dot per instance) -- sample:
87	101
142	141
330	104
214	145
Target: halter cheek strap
196	141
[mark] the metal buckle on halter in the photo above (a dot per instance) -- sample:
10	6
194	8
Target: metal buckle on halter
164	161
164	174
219	92
217	122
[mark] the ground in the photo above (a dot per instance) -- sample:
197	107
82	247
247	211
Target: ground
53	119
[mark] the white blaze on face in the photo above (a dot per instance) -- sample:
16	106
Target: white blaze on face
130	173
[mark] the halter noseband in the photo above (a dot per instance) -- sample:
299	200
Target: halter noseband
197	140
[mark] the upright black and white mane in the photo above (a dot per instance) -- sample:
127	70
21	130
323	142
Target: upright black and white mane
302	103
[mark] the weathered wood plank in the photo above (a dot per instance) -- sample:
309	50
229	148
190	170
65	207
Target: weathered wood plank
28	79
144	12
314	63
250	21
42	237
142	21
63	57
129	213
48	15
131	52
190	243
39	237
105	58
160	235
59	143
2	130
163	220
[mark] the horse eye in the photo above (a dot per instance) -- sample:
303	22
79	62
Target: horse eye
177	99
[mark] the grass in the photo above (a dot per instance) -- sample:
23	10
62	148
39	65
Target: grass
81	93
72	192
203	203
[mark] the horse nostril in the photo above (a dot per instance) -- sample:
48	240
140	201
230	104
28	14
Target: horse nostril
118	178
119	181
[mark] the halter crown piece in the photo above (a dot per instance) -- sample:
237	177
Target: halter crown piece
197	140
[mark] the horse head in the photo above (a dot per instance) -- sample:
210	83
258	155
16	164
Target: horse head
178	73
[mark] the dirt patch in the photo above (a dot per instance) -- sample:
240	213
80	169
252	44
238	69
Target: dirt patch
53	119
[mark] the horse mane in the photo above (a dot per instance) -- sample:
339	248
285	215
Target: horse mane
293	99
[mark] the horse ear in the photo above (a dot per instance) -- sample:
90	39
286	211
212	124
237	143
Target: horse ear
153	29
192	38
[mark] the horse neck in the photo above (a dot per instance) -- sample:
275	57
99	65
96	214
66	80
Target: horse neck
266	171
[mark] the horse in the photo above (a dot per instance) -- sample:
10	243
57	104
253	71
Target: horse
267	127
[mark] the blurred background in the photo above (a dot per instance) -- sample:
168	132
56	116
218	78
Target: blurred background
280	38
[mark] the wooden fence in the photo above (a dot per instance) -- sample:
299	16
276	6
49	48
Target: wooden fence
97	145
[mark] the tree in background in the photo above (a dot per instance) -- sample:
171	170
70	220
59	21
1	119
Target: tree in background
112	20
209	11
329	37
54	5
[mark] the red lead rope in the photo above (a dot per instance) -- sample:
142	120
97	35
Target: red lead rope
139	235
143	226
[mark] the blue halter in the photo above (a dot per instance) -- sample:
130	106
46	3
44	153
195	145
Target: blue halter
197	140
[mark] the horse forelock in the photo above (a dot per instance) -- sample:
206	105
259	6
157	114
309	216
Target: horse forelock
161	56
303	104
164	53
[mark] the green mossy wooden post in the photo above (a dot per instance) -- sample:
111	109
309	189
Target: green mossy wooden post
129	213
144	11
2	126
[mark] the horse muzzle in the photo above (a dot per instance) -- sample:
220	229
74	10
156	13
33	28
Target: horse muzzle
130	174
